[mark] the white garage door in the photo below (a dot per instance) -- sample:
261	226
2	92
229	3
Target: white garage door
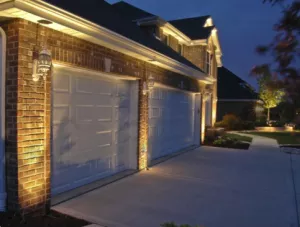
94	128
174	121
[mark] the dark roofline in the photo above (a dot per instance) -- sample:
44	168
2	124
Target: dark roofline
190	18
137	10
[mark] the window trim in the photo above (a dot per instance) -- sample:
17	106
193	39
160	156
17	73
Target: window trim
180	51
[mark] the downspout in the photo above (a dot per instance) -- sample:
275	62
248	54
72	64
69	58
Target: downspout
2	120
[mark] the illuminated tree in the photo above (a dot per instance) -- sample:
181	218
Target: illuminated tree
285	49
271	96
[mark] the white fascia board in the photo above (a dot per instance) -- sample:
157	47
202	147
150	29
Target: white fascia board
218	52
100	35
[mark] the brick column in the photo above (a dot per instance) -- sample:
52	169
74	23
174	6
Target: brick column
27	124
143	127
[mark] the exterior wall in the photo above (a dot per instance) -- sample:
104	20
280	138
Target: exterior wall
196	55
245	110
211	48
28	105
173	43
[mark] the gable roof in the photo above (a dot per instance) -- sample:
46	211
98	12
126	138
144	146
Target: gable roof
193	27
111	19
130	11
230	86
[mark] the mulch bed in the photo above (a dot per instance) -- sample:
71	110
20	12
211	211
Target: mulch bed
240	146
53	219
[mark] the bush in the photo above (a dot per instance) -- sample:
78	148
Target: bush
213	133
225	141
248	125
261	121
276	124
230	122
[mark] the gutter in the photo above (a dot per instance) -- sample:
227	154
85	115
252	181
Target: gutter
98	34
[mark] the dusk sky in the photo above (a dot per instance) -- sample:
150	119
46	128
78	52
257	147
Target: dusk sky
242	25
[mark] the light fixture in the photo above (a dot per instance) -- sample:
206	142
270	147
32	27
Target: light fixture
151	82
43	62
148	85
206	96
207	92
42	65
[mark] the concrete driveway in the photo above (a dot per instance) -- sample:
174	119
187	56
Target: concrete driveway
210	187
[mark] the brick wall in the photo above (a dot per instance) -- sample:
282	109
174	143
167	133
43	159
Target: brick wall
196	55
173	43
28	105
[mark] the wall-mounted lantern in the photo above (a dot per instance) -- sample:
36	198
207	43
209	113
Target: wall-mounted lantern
42	65
148	85
207	92
206	96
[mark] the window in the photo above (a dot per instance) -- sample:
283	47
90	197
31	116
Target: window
180	49
209	63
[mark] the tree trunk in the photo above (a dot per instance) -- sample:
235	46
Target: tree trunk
268	118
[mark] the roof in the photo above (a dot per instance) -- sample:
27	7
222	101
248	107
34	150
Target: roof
230	86
104	14
130	11
188	25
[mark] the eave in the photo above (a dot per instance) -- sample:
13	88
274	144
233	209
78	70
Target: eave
169	29
34	10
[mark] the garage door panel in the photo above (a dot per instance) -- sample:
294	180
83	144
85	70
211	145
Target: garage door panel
91	129
92	85
171	119
92	99
61	83
62	98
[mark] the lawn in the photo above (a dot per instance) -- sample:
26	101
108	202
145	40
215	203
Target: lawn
238	137
281	137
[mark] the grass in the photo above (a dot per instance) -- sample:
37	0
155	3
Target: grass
281	137
240	138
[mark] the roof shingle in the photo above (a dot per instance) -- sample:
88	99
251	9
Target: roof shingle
130	11
193	27
103	14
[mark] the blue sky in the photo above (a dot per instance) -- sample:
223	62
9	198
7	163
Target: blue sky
242	25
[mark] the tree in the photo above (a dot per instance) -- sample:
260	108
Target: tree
272	96
285	49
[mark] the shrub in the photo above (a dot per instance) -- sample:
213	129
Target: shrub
261	121
248	125
225	141
276	124
230	122
213	133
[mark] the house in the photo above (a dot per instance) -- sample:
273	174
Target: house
95	90
235	96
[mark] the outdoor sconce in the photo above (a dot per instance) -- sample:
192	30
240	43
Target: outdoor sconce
208	92
42	65
148	85
206	96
